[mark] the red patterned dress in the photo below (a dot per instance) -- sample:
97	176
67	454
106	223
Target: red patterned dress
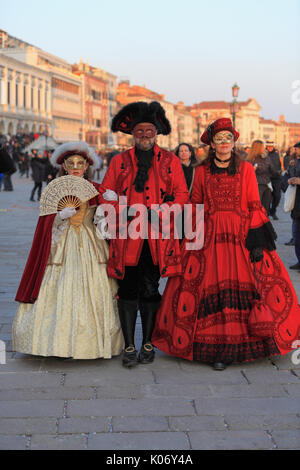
204	313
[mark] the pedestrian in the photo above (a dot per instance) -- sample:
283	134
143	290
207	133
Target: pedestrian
264	171
147	175
38	167
67	303
294	174
276	179
6	162
288	157
292	165
50	170
186	154
205	313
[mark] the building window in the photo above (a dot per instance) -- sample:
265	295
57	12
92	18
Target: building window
96	95
8	92
69	87
24	96
46	101
32	98
98	123
39	99
17	94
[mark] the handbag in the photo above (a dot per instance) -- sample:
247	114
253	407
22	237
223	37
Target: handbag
260	321
289	198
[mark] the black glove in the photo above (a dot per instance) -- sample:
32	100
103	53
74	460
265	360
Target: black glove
256	254
169	198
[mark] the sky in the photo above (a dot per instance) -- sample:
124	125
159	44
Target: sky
187	50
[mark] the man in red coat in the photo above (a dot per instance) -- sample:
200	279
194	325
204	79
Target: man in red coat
146	175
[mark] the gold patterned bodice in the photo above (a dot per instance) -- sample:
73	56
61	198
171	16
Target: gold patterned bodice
77	219
84	227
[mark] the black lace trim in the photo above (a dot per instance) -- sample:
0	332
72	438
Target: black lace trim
234	353
263	237
226	298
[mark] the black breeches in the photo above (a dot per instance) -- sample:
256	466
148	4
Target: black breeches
141	282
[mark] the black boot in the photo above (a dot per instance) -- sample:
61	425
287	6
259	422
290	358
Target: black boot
148	312
31	196
128	314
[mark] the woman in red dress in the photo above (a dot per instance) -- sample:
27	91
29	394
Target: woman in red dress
204	312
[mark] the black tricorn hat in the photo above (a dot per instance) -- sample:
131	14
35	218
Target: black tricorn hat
134	113
297	145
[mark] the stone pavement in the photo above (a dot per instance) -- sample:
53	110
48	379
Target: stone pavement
48	403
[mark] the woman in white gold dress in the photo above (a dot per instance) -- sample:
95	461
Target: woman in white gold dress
67	302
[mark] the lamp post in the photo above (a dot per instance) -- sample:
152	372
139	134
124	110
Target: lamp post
234	105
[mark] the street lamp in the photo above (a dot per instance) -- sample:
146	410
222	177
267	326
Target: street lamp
234	104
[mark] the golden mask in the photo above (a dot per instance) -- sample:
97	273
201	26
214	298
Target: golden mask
75	162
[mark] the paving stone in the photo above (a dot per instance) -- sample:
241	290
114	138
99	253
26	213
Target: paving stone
230	440
139	424
31	409
85	425
125	390
268	422
74	442
245	391
139	407
13	442
247	406
17	365
270	376
28	426
23	380
190	391
197	423
287	439
200	375
102	378
293	389
139	441
50	393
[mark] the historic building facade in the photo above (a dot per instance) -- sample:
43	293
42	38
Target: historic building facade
40	92
25	97
64	88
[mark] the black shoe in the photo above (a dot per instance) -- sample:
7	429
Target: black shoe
219	366
147	353
275	217
290	243
31	199
129	358
295	266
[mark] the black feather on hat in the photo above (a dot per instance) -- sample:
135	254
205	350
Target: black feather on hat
134	113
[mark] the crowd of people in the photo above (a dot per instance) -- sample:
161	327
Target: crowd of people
33	163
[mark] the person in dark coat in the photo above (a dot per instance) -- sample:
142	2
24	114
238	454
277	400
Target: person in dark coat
38	166
264	171
6	162
8	168
275	180
294	172
186	154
